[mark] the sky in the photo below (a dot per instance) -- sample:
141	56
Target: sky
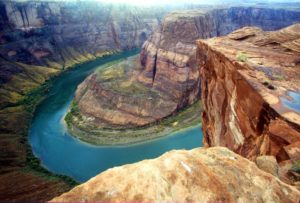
162	2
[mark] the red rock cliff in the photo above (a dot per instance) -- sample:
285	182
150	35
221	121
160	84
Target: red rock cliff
168	56
250	91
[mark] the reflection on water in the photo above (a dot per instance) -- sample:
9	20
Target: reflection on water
294	102
64	154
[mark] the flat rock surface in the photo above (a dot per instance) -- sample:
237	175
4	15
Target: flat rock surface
272	64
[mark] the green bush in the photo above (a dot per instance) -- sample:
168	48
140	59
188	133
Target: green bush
296	167
242	57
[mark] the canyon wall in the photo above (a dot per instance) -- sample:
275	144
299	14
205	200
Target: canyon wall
39	39
169	55
169	68
250	92
199	175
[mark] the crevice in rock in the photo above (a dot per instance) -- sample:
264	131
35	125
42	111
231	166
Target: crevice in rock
20	8
154	69
25	13
114	34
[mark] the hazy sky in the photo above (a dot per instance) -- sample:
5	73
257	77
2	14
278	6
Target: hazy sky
151	2
161	2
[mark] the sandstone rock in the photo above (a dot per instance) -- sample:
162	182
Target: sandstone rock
285	172
248	92
55	35
199	175
267	164
113	98
168	67
169	55
40	39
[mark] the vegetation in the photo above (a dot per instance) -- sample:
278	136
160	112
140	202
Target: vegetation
25	105
32	98
30	101
118	77
278	77
74	111
296	167
188	117
33	164
268	85
242	57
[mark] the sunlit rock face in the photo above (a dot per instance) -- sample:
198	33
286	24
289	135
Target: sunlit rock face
168	56
250	82
168	71
199	175
114	98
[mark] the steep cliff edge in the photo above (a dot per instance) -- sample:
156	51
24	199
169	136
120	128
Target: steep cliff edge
41	39
199	175
250	92
169	55
112	107
168	67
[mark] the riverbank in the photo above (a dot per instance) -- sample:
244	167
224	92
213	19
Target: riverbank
111	107
31	181
186	118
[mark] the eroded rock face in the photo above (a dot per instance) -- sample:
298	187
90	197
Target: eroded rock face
113	98
40	39
169	65
112	107
250	82
168	56
199	175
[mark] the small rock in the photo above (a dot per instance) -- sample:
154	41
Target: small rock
268	164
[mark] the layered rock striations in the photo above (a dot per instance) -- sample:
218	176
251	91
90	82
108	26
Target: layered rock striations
39	39
250	92
112	101
117	99
168	67
169	55
199	175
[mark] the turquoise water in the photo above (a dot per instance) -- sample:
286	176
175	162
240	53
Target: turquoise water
63	154
294	103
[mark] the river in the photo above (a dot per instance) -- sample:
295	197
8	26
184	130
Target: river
61	153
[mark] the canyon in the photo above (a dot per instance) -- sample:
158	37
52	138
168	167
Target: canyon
247	78
166	78
40	40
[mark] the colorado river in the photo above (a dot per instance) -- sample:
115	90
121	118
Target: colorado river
61	153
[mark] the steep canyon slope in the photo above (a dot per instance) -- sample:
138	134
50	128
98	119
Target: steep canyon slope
39	40
250	92
169	55
167	73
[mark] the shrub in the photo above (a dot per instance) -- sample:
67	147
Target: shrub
296	167
242	57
